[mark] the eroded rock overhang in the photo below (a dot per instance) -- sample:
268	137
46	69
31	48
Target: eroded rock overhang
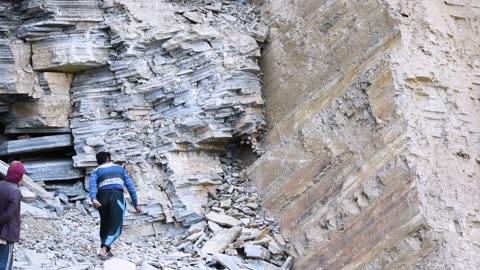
163	86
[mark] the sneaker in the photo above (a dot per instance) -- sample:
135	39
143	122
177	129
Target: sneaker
103	258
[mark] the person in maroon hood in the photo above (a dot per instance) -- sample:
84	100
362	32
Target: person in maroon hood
10	197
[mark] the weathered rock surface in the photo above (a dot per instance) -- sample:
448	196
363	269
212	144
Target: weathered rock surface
66	36
52	170
373	130
191	88
49	112
365	155
118	264
30	145
219	242
72	229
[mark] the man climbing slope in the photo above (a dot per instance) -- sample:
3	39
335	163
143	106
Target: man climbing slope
10	197
106	192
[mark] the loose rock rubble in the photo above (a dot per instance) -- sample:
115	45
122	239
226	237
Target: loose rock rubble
235	234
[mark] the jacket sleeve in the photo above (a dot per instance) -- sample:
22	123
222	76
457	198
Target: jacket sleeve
93	185
13	207
131	188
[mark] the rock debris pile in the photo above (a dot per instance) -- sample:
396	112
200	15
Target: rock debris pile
235	234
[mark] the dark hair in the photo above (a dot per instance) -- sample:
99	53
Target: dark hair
102	157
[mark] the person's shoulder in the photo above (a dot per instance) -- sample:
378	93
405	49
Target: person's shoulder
10	189
17	192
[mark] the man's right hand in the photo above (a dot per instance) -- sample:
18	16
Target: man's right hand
96	203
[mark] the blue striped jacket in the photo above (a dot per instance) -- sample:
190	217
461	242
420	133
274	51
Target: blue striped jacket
111	176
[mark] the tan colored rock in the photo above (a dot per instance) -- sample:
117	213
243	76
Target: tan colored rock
17	76
50	111
355	158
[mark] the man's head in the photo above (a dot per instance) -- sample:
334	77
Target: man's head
15	172
103	157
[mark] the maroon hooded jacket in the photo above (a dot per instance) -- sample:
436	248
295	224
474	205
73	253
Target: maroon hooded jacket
10	197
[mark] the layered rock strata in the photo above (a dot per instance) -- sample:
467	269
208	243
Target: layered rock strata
373	120
175	92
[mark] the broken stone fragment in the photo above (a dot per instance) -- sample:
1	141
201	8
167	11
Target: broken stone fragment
147	266
260	265
27	195
227	261
288	264
193	16
214	227
32	211
194	237
52	170
222	219
220	240
118	264
273	246
257	252
226	204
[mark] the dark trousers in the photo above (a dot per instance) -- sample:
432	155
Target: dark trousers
112	214
6	256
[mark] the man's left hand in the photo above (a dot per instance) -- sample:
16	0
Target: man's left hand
138	209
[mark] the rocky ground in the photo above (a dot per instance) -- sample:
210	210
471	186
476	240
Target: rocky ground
235	234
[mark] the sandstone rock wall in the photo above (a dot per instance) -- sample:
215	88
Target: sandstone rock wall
437	74
372	112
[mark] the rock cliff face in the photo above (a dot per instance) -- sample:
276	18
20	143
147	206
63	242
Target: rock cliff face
371	155
168	87
145	80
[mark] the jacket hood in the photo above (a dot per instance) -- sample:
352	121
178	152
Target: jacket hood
15	172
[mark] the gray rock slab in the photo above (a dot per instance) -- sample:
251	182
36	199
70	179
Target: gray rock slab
227	261
51	170
45	143
220	240
75	188
260	265
32	211
222	219
256	252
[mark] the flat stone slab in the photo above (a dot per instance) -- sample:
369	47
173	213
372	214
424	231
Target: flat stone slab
222	219
227	261
257	252
38	144
51	170
219	242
